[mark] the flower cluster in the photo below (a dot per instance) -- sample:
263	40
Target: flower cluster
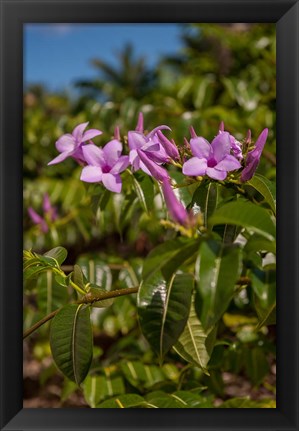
151	151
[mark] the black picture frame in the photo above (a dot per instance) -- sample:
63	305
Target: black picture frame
14	13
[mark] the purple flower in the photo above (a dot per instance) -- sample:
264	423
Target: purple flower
253	157
105	165
149	144
236	146
49	215
70	145
212	159
169	146
176	210
154	170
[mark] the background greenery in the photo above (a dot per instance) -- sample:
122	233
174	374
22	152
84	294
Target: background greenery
224	73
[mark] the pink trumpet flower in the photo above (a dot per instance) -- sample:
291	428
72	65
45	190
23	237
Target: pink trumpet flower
148	143
105	165
212	159
253	157
176	210
70	145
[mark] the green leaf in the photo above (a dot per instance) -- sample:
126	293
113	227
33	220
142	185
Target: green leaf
96	271
57	253
34	271
218	267
163	308
168	257
144	189
142	375
206	196
50	294
246	403
100	198
68	389
230	233
265	188
97	388
191	345
78	277
256	365
264	287
183	193
162	400
71	341
124	402
257	243
245	214
191	400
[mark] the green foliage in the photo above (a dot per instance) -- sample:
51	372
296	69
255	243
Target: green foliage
206	300
192	344
218	268
245	214
163	308
71	341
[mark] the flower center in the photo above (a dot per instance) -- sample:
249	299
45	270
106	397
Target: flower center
211	163
106	169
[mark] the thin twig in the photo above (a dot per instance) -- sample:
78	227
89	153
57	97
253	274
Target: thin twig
89	298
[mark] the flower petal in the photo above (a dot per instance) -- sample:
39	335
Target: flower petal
200	147
258	148
142	166
121	164
91	174
112	182
229	163
139	126
221	146
159	156
65	143
169	147
60	158
217	175
151	146
195	167
176	210
249	170
156	171
46	203
112	151
78	131
261	140
154	131
93	155
89	134
36	218
135	140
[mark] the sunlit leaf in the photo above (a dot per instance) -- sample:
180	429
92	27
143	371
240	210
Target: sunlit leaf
163	308
57	253
218	268
192	342
97	388
245	214
265	188
168	257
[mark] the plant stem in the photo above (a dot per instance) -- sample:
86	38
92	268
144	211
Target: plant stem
89	298
40	323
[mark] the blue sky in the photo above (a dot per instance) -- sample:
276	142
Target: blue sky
58	54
